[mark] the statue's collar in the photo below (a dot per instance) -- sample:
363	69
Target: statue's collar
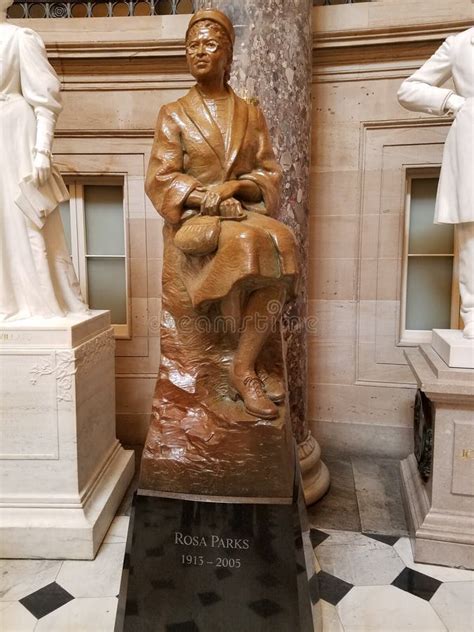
196	110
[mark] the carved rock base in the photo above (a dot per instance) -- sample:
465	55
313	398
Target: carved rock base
63	471
315	474
201	442
440	510
199	448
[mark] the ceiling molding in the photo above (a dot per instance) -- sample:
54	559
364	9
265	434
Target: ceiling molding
388	35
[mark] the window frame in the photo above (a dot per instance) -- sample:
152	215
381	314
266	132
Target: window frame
415	337
75	183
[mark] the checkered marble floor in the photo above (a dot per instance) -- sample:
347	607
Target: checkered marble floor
370	583
363	583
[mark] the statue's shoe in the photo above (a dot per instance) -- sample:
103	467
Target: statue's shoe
273	385
250	389
468	331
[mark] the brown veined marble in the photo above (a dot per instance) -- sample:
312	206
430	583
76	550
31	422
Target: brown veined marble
220	425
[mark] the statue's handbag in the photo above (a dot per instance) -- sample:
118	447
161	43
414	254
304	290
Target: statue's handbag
199	235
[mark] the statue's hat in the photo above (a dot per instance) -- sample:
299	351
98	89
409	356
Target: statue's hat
215	16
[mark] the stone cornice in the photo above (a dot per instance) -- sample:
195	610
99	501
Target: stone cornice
377	40
384	39
133	47
377	53
390	36
173	48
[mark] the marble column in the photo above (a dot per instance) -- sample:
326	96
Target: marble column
272	62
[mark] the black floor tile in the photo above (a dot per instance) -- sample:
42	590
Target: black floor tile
46	600
331	588
317	536
265	608
417	583
380	537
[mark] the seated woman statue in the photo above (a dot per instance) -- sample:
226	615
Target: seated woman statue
214	179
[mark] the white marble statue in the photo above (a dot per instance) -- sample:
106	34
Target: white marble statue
36	274
455	200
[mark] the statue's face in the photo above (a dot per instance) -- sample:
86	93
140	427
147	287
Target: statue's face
4	5
206	52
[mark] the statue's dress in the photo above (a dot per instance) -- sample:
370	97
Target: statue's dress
36	274
190	151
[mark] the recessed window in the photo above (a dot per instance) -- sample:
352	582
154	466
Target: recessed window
94	224
430	298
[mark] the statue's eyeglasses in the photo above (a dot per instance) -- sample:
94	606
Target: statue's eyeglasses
210	46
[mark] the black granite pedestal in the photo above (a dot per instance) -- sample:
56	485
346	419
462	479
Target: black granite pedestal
194	566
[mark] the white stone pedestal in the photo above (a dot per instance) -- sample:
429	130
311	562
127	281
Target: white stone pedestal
441	510
453	348
63	472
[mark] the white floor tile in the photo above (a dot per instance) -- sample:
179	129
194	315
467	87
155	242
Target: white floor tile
118	530
454	603
81	615
16	618
331	621
19	578
95	578
387	609
358	559
441	573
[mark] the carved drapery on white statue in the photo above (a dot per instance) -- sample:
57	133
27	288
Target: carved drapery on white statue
422	92
37	278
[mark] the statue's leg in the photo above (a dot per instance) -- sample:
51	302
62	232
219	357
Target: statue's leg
231	310
465	233
260	314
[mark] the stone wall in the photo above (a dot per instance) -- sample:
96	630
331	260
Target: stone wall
361	390
118	71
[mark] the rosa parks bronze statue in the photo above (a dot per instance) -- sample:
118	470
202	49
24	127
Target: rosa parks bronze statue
228	269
